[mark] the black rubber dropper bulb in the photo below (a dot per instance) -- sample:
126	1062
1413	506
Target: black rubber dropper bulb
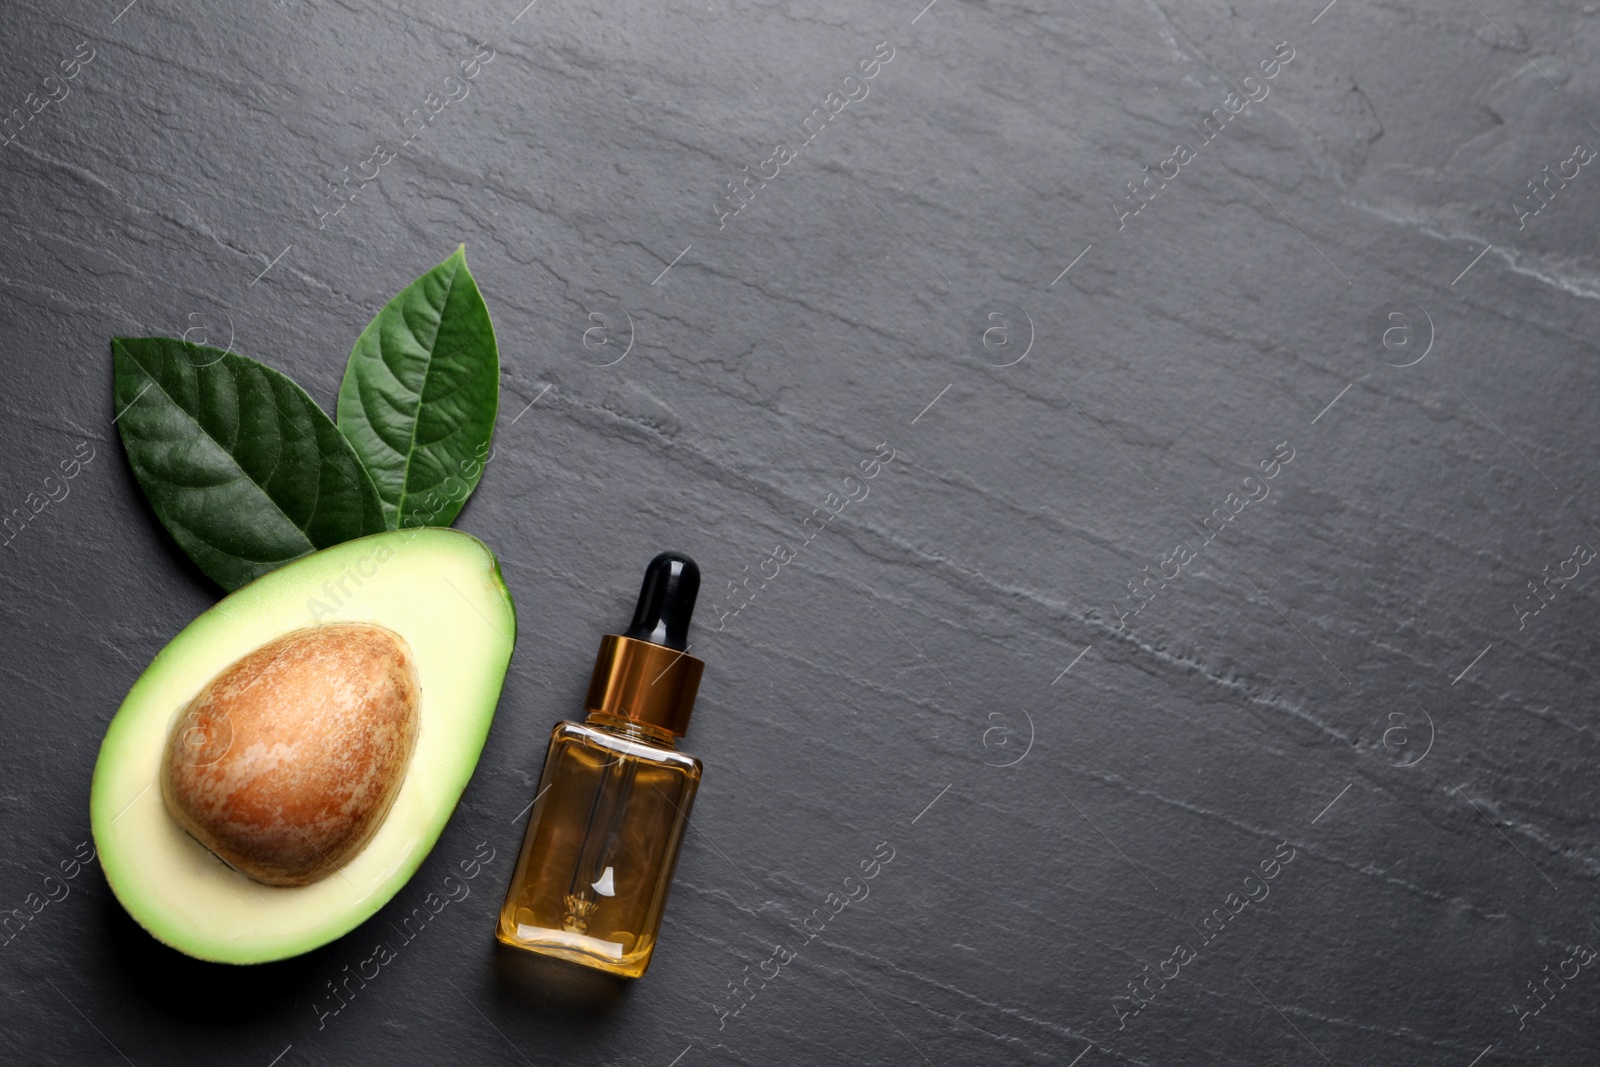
666	601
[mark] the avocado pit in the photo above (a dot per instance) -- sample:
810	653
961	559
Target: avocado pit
285	764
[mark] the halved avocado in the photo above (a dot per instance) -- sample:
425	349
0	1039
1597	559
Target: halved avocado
439	591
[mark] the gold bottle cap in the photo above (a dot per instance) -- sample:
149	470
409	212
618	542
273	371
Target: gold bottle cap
644	682
645	673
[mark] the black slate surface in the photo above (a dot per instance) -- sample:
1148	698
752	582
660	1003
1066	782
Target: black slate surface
1350	673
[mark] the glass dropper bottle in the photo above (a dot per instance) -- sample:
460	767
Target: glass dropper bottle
591	882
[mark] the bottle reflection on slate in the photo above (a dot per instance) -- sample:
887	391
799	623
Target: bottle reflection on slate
613	802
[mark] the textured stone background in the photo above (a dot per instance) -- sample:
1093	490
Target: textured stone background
1343	669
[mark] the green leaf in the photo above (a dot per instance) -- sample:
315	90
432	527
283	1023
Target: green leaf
240	465
420	394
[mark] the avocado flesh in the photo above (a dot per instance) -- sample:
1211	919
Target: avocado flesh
439	590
